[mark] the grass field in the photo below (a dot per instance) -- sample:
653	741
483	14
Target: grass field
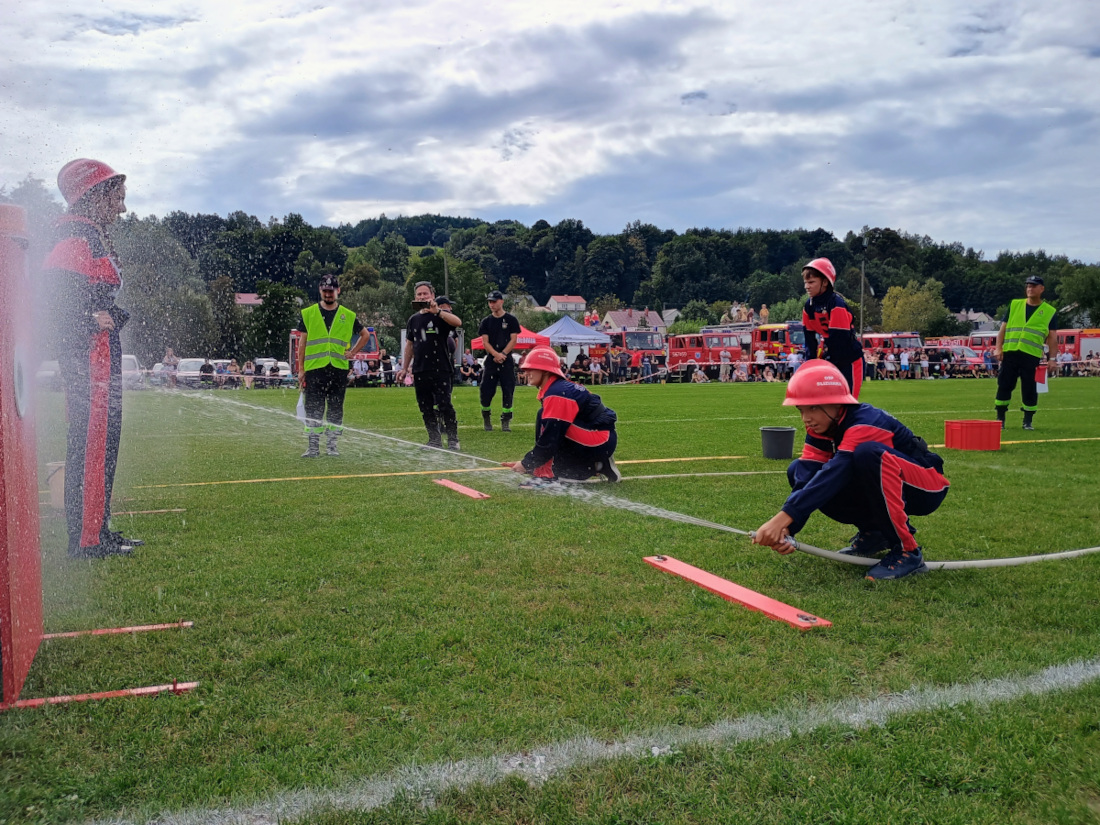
354	636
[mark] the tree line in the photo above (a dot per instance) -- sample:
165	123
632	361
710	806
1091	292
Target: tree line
182	272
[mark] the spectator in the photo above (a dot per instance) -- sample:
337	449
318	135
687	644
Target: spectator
724	368
206	374
427	359
624	365
922	364
234	374
764	314
903	364
171	364
1066	360
248	372
769	374
595	369
699	377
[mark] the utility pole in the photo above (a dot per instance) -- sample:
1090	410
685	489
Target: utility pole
446	275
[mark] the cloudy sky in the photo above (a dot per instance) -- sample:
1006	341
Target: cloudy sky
967	121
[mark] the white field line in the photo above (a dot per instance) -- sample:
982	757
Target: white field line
426	782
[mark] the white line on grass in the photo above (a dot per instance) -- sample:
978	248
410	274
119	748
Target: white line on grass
425	783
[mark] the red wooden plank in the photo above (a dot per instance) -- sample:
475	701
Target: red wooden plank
175	687
110	630
458	488
741	595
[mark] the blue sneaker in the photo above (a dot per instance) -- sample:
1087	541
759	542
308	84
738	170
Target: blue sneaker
897	564
866	545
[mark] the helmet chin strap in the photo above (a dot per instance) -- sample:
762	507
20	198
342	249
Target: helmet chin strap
836	421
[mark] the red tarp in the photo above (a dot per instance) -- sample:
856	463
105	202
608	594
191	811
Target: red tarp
526	340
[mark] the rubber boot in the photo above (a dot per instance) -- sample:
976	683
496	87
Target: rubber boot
314	446
434	437
1001	413
487	417
506	422
330	443
1028	415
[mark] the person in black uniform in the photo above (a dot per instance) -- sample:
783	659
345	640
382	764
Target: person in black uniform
428	357
85	280
499	332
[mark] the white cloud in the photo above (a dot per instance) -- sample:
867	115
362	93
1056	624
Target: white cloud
970	121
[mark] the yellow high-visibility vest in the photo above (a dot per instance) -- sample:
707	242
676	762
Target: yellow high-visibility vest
1027	334
326	346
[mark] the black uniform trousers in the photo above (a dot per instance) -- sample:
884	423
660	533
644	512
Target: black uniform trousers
433	396
324	393
93	394
494	374
1018	365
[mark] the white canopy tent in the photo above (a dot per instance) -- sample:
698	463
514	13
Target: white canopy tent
568	333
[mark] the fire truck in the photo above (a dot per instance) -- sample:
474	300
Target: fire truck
775	339
704	348
1080	343
890	341
636	342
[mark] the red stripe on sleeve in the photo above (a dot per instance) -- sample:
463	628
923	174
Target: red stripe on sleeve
812	453
840	318
863	433
95	456
560	408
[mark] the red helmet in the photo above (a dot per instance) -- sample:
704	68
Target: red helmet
818	382
78	176
543	358
825	267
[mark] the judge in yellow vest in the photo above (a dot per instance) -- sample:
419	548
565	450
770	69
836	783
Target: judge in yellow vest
1028	324
323	364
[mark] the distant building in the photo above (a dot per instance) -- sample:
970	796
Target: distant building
572	305
977	320
248	301
619	319
670	316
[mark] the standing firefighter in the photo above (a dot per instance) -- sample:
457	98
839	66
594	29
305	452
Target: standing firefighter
1027	324
828	324
499	332
323	364
860	466
574	432
86	279
428	359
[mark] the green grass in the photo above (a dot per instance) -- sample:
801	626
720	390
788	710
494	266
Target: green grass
345	628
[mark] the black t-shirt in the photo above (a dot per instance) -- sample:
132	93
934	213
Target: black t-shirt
328	315
498	331
206	369
429	334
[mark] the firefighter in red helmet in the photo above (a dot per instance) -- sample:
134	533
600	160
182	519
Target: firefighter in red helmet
85	280
574	432
829	323
859	466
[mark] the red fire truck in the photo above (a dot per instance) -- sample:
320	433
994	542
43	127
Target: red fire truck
890	341
704	348
636	342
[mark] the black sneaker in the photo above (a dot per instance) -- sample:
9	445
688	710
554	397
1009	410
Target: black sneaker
609	471
898	564
101	551
866	545
1028	426
118	538
452	444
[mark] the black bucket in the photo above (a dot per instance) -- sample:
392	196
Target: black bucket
778	442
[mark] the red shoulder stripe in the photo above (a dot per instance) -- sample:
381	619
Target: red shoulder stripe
560	408
863	433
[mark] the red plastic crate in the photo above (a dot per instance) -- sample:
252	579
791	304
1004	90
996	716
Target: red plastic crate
972	435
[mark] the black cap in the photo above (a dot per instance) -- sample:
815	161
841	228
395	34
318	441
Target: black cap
443	299
329	282
1034	279
496	295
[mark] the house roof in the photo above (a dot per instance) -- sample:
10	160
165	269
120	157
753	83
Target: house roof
248	299
631	319
568	299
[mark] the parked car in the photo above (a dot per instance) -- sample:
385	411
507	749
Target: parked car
187	373
48	376
133	376
157	378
